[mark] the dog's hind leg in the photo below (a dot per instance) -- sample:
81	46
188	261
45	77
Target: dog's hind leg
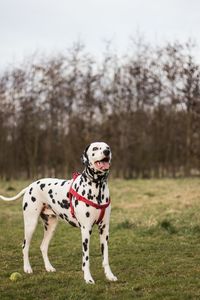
50	223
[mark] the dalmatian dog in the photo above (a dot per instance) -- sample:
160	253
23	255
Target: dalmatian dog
82	202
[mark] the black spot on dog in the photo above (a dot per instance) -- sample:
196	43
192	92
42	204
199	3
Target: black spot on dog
54	212
99	199
85	246
83	192
33	199
44	217
66	217
46	224
107	237
84	264
102	248
42	186
49	184
81	181
50	192
63	182
30	191
84	176
24	244
68	195
87	204
101	229
90	232
72	223
25	205
55	183
87	214
61	216
65	204
76	203
38	182
90	197
87	258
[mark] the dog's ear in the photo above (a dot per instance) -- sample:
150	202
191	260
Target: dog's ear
84	157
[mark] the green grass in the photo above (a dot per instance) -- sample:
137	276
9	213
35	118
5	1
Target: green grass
154	246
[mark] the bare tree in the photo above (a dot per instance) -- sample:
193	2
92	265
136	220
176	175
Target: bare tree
145	104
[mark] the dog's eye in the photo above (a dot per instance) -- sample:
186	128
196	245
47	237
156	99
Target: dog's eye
95	149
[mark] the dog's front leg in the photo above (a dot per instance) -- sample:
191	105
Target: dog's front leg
104	236
85	231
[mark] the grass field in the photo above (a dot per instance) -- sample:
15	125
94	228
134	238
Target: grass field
154	246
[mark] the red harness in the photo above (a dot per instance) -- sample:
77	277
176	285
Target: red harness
78	197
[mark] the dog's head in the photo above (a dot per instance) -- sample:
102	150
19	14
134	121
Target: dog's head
97	157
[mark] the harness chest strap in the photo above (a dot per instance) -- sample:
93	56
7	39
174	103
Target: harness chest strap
78	197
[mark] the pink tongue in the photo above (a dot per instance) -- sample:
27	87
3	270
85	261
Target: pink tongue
102	165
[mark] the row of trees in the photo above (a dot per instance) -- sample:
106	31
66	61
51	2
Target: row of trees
145	104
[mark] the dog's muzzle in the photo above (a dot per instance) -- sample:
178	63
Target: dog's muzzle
104	164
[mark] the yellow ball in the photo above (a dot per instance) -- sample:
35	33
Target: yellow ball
15	276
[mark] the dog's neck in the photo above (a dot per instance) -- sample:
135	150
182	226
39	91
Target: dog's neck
97	178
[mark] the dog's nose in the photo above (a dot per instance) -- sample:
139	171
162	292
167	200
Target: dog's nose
106	152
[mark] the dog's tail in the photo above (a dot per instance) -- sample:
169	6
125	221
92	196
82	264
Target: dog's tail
15	197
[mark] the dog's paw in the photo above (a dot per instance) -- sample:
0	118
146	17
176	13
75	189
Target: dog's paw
89	280
50	269
111	277
28	270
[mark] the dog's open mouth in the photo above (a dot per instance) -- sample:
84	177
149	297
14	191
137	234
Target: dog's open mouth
103	164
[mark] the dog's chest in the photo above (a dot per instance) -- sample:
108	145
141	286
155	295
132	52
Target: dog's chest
89	193
96	192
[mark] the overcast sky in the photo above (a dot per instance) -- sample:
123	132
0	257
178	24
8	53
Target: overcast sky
50	26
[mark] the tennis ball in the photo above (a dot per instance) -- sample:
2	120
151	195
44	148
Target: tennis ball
15	276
